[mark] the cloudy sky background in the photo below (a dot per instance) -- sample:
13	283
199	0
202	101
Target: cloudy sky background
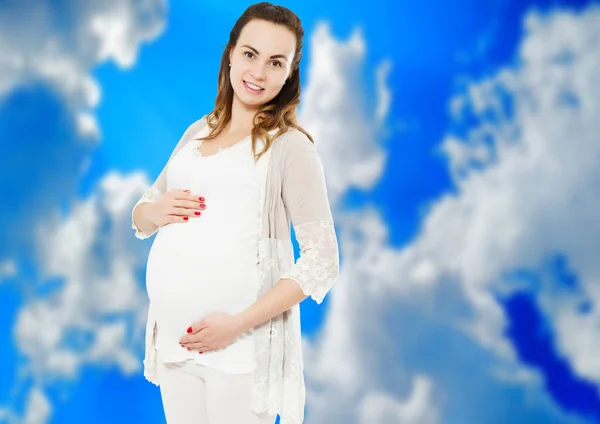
461	148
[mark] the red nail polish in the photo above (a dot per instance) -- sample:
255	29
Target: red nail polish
201	199
202	206
197	213
185	218
187	191
200	353
189	348
189	330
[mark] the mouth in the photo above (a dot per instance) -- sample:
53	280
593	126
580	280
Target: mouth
253	88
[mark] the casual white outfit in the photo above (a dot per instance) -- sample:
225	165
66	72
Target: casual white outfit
209	263
292	190
198	394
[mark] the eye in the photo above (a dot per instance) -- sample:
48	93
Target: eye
248	53
278	63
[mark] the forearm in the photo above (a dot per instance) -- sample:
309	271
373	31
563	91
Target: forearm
285	294
140	218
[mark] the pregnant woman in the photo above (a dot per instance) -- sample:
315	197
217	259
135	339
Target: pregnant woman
223	337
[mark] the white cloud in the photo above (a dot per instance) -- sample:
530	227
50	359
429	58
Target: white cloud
536	195
526	179
8	269
48	53
526	184
383	93
97	311
53	48
33	48
89	308
378	408
370	384
37	409
348	136
386	339
93	310
342	123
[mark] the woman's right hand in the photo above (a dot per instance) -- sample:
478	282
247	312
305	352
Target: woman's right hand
176	206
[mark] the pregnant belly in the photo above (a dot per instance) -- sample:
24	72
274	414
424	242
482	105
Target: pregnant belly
185	286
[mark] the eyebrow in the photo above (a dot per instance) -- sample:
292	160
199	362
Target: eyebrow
275	56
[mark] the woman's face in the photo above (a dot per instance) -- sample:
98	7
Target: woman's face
260	62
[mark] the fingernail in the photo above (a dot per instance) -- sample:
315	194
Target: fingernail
185	218
187	191
197	212
189	348
202	206
200	353
189	330
201	199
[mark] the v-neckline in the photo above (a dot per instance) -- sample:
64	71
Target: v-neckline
198	143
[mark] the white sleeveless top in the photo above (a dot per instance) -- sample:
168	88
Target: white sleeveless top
209	263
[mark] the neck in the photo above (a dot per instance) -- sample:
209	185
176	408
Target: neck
242	117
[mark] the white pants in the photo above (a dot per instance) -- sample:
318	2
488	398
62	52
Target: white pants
197	394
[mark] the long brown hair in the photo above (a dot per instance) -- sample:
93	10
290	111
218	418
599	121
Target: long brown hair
280	112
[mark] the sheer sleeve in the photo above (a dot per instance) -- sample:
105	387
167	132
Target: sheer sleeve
159	187
305	198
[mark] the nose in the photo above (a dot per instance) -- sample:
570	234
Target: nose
258	72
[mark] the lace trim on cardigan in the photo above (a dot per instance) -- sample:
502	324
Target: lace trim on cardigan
150	196
317	267
278	381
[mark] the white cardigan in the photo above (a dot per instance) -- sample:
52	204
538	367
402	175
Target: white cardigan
293	190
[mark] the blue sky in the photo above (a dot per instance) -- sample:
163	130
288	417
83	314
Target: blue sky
468	291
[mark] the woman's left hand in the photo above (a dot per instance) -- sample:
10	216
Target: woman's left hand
213	332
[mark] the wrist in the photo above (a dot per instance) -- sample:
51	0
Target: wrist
142	218
242	322
149	215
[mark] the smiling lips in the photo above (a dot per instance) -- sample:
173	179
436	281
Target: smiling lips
253	88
